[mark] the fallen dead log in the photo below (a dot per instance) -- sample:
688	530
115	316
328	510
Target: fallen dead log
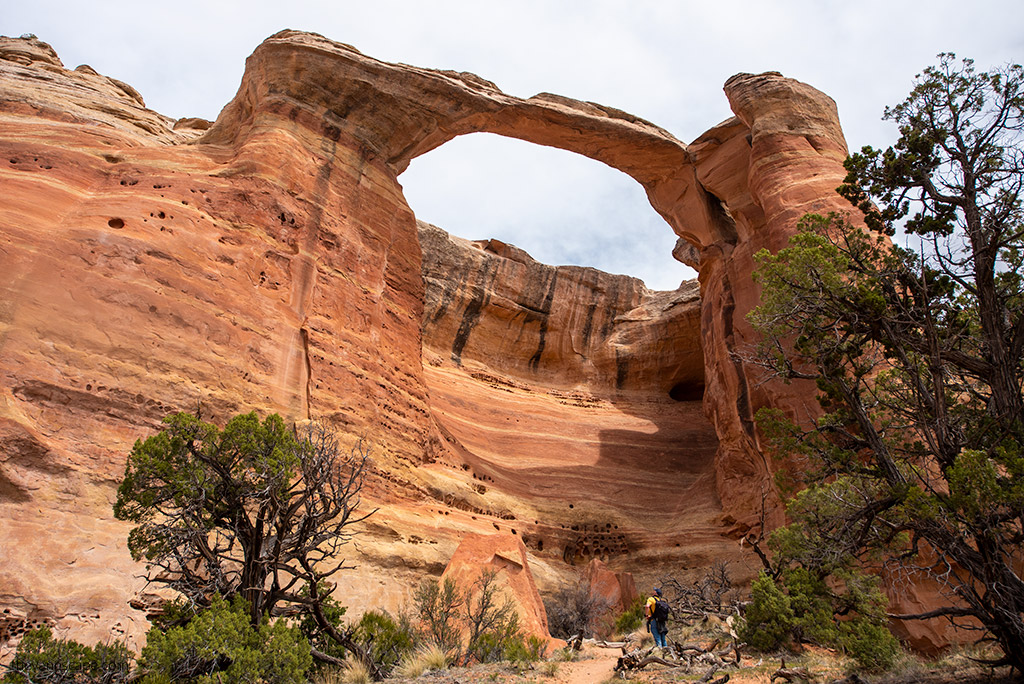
793	673
731	649
637	660
709	674
607	644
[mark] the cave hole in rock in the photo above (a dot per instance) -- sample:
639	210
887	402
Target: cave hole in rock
687	391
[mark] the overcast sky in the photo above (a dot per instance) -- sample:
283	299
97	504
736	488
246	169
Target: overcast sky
664	61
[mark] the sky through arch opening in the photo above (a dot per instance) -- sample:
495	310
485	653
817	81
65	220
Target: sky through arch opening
559	206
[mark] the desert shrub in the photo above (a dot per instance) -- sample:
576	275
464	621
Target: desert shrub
492	625
387	641
476	624
805	608
871	644
525	650
812	609
574	610
356	672
220	646
550	668
424	659
41	658
565	655
497	642
630	619
769	617
438	605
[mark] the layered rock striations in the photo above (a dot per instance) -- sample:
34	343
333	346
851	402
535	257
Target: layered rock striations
269	261
490	303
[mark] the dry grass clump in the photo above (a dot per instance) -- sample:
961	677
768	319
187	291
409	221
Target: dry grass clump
333	675
549	668
431	657
566	655
355	672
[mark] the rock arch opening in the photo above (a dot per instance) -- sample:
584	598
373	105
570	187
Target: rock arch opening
559	207
565	383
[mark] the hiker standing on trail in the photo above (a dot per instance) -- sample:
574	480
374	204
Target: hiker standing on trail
656	613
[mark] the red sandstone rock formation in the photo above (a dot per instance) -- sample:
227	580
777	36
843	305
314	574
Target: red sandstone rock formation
270	261
490	304
615	591
506	557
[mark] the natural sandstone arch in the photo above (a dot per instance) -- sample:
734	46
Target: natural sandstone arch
273	264
739	187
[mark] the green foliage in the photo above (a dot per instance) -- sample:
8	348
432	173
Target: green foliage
220	646
492	626
438	606
255	510
769	618
813	611
804	607
870	643
918	359
472	624
630	619
386	641
524	650
317	638
41	658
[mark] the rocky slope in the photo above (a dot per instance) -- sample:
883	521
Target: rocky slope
269	261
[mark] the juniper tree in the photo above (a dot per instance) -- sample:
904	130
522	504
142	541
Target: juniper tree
917	351
254	510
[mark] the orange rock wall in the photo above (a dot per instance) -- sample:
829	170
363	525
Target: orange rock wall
269	261
566	326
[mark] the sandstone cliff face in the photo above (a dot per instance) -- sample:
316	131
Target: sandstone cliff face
271	262
490	303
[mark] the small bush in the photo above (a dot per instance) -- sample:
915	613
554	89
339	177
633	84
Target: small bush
41	658
492	626
477	624
769	617
871	644
550	668
565	655
220	646
386	641
574	610
814	619
356	672
529	650
425	659
631	619
438	605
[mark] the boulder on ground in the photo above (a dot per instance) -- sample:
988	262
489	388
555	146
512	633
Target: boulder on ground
506	555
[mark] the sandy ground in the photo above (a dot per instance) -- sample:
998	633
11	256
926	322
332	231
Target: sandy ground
596	665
